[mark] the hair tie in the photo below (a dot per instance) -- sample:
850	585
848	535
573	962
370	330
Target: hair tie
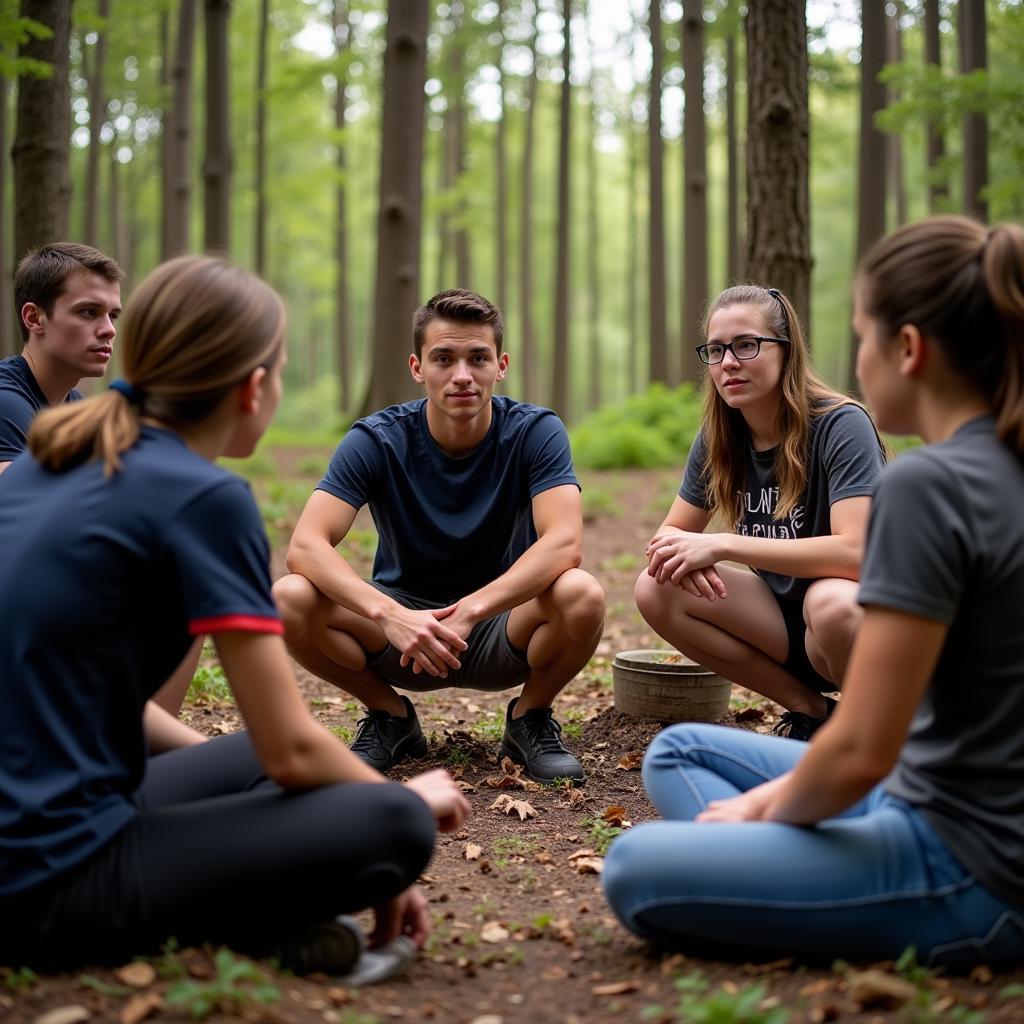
777	296
130	392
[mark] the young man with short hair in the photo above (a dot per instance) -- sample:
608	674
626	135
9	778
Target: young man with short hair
68	297
476	581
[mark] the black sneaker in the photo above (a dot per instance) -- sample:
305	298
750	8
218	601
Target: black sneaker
330	947
383	739
535	741
795	725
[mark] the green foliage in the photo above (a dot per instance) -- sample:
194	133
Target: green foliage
343	732
257	466
697	1006
489	730
238	983
104	988
601	834
21	979
647	430
208	684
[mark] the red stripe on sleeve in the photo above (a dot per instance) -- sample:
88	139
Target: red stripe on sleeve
246	623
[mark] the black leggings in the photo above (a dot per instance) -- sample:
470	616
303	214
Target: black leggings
219	854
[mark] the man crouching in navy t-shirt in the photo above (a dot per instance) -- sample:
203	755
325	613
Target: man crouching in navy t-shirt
476	581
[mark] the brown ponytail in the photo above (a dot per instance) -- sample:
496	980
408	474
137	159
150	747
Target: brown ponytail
194	328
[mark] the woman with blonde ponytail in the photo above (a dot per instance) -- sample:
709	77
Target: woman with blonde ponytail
915	786
122	542
787	466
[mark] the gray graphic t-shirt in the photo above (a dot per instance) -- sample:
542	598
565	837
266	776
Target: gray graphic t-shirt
845	458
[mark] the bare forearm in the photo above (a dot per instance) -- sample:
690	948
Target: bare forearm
165	732
834	555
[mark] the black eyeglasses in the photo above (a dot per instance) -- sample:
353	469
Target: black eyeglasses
741	348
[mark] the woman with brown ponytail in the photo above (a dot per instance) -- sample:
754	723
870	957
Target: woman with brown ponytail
788	466
911	796
121	542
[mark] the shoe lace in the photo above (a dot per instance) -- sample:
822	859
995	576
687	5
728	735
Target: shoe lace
369	732
544	731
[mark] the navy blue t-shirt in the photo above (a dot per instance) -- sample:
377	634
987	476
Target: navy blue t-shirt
20	399
449	526
103	584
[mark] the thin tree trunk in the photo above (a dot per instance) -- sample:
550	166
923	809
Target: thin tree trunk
118	233
97	111
260	226
695	187
894	142
871	163
633	253
938	188
8	317
560	347
778	151
401	189
444	220
463	272
732	196
593	360
178	188
217	163
167	129
974	56
501	176
342	27
42	183
656	207
527	347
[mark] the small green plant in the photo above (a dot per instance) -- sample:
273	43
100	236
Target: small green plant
489	730
208	684
697	1006
104	988
343	732
601	834
541	921
21	979
167	964
458	758
238	983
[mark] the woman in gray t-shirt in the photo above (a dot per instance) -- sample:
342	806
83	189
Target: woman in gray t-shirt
911	797
788	466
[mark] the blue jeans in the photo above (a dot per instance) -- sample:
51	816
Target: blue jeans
864	885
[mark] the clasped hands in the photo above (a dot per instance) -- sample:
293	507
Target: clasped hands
686	560
430	639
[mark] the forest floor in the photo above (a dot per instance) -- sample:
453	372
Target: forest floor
521	930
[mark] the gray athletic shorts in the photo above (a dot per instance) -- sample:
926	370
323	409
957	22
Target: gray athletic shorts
489	663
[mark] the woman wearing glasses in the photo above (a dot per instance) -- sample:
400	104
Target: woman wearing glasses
787	467
915	787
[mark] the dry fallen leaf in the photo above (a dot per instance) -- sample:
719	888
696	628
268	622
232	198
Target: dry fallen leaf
472	851
586	862
562	930
615	988
875	988
543	857
465	787
631	761
139	1007
575	798
981	975
137	974
492	931
72	1014
616	817
507	805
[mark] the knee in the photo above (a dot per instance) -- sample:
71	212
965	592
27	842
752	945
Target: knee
580	602
832	614
653	599
295	598
407	828
624	875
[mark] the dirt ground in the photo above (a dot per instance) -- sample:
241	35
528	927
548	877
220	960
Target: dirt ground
521	931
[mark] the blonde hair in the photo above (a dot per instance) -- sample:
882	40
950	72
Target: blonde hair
962	285
194	328
803	394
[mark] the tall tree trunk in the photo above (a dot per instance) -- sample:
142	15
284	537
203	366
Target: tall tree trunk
593	360
732	196
656	207
527	348
938	189
501	176
42	183
894	142
178	184
560	347
633	250
166	127
97	112
444	218
871	163
8	318
778	152
456	57
695	187
974	56
260	213
217	164
342	27
118	230
401	188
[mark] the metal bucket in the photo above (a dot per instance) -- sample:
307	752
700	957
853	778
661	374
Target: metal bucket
667	685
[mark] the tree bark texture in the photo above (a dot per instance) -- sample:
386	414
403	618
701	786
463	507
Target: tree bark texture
732	196
217	162
178	183
463	268
656	207
974	56
342	27
97	113
695	188
593	359
633	255
938	188
894	143
560	346
501	173
260	213
9	336
401	188
42	183
527	348
778	152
